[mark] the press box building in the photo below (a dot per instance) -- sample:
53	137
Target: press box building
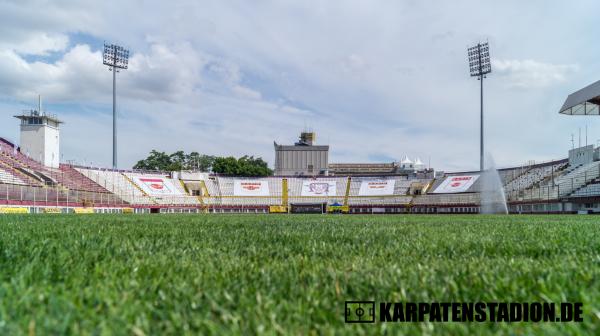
303	158
40	136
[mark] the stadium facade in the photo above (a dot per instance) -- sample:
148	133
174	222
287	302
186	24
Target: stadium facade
32	180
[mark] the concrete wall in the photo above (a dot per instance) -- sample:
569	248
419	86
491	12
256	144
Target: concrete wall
581	155
295	160
41	143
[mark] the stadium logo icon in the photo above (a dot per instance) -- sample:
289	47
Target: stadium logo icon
153	186
359	312
319	188
156	184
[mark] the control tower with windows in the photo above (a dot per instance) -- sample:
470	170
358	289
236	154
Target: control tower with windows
40	136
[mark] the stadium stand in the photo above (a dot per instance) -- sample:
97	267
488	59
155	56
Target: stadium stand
532	176
534	187
577	178
117	183
8	178
297	184
399	196
212	188
565	183
215	193
25	181
224	190
589	190
35	173
18	171
160	189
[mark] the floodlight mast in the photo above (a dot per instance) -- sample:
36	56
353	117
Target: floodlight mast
480	66
115	57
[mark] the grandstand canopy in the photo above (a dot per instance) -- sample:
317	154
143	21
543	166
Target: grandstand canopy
583	102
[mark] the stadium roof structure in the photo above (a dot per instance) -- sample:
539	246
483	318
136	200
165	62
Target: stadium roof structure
583	102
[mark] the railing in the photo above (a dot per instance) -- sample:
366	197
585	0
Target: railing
589	190
446	199
578	178
55	196
544	193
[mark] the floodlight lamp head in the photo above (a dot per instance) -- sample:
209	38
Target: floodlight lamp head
115	56
479	60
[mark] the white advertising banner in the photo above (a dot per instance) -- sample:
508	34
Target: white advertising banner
318	188
376	187
157	186
250	188
456	184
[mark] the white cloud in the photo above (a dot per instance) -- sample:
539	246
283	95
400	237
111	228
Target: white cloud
42	44
162	74
38	44
388	77
528	74
167	72
245	92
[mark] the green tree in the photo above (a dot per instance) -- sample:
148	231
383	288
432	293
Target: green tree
178	160
155	161
244	166
196	161
226	165
252	166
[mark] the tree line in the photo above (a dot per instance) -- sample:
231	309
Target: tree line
243	166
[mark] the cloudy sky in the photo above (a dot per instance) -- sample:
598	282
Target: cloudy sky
375	79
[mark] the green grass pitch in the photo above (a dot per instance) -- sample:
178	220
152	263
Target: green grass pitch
277	274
